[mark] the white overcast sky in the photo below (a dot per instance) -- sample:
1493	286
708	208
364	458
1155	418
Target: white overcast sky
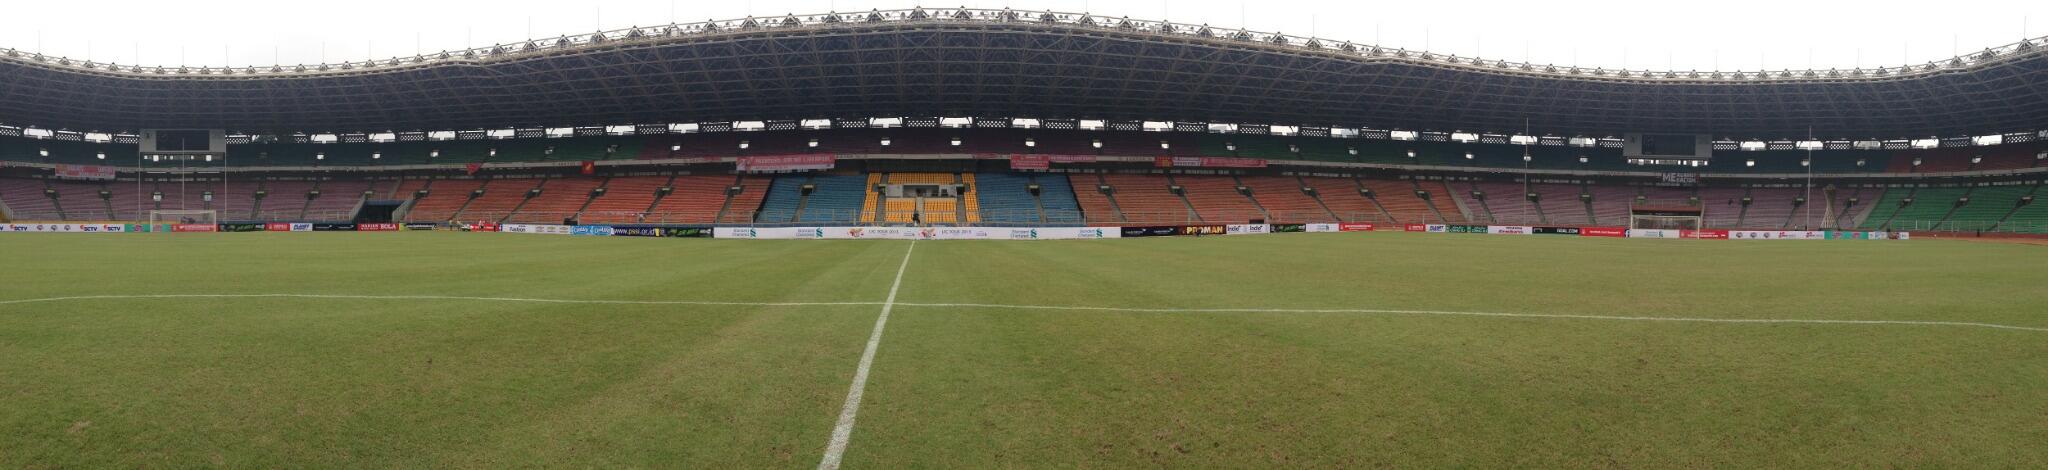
1647	34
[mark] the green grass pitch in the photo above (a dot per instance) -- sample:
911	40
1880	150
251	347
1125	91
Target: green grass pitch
410	382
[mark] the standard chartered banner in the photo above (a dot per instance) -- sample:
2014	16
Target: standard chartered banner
64	228
1510	229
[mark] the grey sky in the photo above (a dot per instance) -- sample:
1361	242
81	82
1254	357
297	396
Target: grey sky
1702	35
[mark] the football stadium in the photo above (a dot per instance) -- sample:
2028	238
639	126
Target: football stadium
994	237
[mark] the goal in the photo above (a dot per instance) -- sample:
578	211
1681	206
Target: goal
184	220
1666	217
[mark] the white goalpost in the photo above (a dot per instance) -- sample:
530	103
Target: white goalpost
184	217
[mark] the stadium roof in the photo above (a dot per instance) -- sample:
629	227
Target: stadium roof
1004	63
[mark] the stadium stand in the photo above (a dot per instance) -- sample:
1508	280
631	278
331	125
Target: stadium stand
445	198
1216	200
1057	197
1147	200
1342	198
1283	200
1005	199
626	199
560	198
1097	208
696	199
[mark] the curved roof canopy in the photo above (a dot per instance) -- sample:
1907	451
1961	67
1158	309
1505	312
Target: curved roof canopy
1004	63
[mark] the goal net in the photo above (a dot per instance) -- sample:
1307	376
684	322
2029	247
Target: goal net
184	220
1666	217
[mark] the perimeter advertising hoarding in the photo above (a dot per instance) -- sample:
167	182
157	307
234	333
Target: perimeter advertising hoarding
64	228
1509	229
1651	233
377	227
1555	230
1320	228
1614	232
1247	229
1777	235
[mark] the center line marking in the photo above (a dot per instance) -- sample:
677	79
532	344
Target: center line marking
843	432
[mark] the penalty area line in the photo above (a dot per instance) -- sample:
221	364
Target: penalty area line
842	432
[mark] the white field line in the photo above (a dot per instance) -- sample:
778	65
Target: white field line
1474	314
843	431
1036	307
427	297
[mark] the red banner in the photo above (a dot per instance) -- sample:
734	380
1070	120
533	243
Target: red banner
589	167
1415	227
787	162
473	168
1030	162
376	227
195	228
1615	232
277	227
1349	227
1704	234
85	172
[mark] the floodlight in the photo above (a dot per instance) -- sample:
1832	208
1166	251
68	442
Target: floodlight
493	152
1163	145
548	151
1291	148
1583	159
675	148
1806	163
1352	150
1749	163
320	156
1976	159
1411	154
1860	162
1029	142
435	153
1916	161
956	141
885	142
746	143
102	155
43	152
1526	158
209	158
1231	146
1468	155
1098	144
813	143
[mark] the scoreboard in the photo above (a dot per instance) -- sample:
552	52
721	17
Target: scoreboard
184	142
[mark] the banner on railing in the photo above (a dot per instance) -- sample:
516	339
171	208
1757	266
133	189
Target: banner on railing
195	228
241	227
1436	228
1153	231
1554	230
1320	228
334	227
1510	229
1199	230
1030	162
84	172
1207	162
377	227
1355	227
1704	234
787	162
64	228
591	230
420	226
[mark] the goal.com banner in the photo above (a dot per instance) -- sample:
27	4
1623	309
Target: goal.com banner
64	228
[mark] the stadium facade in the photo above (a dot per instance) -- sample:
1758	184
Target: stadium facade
1001	117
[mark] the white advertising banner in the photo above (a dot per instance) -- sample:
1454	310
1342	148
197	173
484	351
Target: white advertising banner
1652	233
64	228
1509	229
1247	229
540	229
1322	228
1777	235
